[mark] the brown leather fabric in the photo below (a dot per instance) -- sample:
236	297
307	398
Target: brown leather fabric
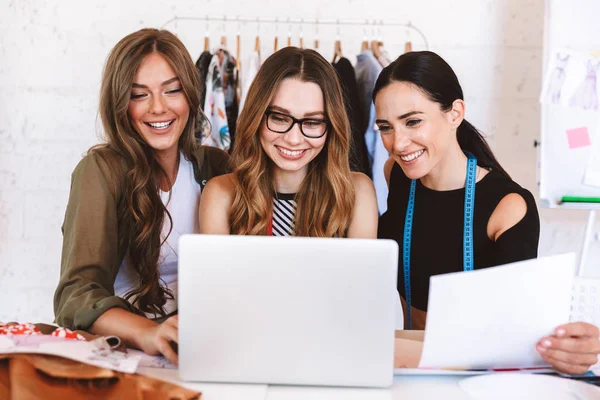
28	377
4	379
419	317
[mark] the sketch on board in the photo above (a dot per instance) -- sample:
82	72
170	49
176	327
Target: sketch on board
557	79
572	80
586	96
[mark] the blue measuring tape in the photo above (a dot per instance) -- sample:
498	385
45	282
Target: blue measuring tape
470	182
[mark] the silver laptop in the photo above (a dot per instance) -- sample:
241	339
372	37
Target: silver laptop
297	311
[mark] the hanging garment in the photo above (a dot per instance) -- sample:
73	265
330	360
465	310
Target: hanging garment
202	66
252	67
229	78
586	96
359	156
367	70
214	108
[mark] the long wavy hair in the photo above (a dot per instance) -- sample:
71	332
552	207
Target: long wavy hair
140	212
326	197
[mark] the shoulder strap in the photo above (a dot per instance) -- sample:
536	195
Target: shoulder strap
210	162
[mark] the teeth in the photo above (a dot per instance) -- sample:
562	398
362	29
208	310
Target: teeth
291	153
412	156
160	125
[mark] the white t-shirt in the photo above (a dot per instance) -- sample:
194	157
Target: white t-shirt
183	207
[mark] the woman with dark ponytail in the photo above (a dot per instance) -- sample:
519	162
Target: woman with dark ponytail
451	205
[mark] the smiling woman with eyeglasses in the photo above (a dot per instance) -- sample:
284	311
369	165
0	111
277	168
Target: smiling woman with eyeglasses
292	175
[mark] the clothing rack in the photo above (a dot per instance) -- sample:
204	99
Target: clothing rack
365	24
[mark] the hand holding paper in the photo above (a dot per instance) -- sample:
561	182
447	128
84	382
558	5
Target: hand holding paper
573	348
493	318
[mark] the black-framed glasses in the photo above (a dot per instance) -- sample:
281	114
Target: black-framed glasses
311	128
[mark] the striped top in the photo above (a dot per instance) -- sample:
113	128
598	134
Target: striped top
284	214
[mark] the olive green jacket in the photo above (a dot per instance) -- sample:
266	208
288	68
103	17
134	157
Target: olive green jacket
93	248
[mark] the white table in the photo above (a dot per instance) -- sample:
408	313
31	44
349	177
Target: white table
405	387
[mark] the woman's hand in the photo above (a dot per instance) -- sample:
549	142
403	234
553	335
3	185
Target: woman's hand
160	338
573	348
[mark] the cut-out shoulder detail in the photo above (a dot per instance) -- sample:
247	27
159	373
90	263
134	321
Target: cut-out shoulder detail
509	212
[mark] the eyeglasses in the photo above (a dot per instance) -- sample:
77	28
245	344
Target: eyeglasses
283	123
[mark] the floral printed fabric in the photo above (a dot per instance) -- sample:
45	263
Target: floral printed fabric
29	329
214	108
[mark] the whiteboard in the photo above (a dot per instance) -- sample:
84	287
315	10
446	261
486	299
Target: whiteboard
570	25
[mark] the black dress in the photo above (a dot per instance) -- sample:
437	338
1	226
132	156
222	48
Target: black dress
359	155
437	233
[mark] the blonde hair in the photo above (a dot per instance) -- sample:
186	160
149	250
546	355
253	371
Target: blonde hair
326	197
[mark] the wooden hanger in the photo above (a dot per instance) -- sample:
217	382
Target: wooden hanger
316	44
289	40
257	40
408	45
238	47
375	46
238	52
364	46
206	37
223	34
337	51
275	44
365	43
206	42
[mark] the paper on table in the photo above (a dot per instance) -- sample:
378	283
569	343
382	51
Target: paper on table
493	318
526	387
150	361
97	352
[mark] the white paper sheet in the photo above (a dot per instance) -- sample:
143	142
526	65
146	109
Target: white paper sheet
150	361
493	318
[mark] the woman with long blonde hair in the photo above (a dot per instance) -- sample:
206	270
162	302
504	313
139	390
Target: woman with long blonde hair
291	172
132	197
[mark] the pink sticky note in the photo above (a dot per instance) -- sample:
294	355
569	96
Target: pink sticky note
578	137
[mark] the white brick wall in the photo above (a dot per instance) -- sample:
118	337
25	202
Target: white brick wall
51	57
